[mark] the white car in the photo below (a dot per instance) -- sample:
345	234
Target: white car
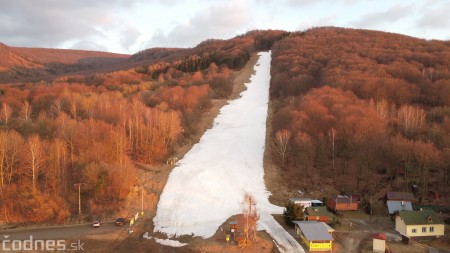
96	224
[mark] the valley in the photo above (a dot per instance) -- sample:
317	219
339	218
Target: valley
349	111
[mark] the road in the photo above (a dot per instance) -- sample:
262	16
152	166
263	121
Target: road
58	232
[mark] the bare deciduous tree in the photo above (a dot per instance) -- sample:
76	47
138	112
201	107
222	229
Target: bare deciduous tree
34	158
6	113
332	135
248	221
411	119
56	108
25	111
281	144
3	154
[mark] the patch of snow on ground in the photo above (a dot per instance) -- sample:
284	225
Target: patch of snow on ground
209	183
167	242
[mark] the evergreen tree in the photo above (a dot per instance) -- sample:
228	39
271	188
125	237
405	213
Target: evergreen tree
293	212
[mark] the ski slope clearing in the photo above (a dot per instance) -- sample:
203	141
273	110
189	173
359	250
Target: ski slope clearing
209	183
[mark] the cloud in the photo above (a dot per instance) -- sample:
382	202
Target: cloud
323	21
306	3
50	23
216	21
436	17
376	18
88	45
302	3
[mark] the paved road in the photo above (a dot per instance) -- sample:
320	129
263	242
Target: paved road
62	232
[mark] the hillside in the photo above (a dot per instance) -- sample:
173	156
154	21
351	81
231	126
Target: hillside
18	64
361	111
354	110
92	125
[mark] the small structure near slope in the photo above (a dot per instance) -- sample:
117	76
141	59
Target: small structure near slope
316	235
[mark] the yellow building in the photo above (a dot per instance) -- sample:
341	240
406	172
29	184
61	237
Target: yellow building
316	235
423	223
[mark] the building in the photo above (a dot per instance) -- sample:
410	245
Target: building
318	236
316	202
397	206
305	202
400	196
356	196
399	201
342	203
317	213
423	223
379	243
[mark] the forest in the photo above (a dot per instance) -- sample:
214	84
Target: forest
363	110
95	128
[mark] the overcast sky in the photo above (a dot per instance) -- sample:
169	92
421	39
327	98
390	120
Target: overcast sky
130	26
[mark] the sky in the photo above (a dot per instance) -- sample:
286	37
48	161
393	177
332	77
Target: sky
129	26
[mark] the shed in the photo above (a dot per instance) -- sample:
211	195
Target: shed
318	213
356	197
305	202
379	242
316	202
316	235
342	202
233	226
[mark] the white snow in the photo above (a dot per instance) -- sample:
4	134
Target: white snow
167	242
209	183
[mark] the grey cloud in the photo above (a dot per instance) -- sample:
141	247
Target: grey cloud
88	45
436	17
218	20
129	36
392	14
52	23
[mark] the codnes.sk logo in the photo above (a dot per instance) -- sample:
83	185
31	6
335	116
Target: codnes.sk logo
31	244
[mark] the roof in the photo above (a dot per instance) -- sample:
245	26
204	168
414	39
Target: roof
395	205
406	196
344	199
314	231
300	199
316	201
423	217
379	236
317	211
327	227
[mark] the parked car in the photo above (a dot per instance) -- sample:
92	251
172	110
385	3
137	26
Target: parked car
96	224
120	221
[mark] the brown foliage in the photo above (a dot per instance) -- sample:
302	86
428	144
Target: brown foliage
390	106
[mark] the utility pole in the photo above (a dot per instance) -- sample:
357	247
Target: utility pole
142	199
79	196
141	182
